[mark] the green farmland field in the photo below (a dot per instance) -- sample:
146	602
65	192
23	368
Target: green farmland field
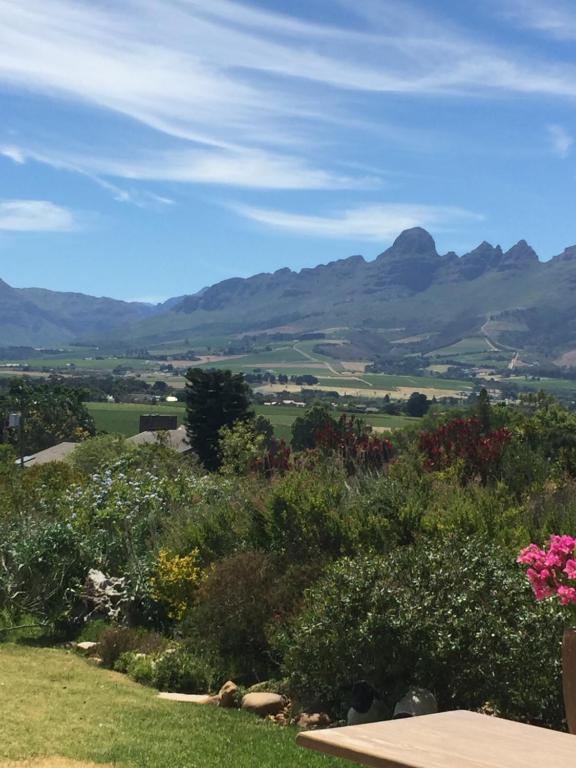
123	418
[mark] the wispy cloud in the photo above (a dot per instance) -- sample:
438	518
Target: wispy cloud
34	216
250	168
554	18
369	222
238	95
560	140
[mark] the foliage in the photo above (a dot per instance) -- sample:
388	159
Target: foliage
306	427
351	442
233	608
241	448
464	441
98	452
175	581
214	399
50	415
455	617
43	564
417	404
311	514
179	670
116	641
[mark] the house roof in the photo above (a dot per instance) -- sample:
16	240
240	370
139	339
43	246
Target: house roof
55	453
175	439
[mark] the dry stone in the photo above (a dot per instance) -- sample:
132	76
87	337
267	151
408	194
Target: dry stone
314	720
263	704
227	695
191	698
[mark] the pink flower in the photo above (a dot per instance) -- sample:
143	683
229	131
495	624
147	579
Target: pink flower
567	595
532	555
570	569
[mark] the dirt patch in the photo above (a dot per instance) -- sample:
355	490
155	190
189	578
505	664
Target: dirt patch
354	365
398	393
51	762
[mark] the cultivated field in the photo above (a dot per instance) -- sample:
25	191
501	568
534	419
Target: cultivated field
123	418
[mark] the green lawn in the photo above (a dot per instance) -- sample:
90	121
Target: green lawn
123	418
92	364
54	703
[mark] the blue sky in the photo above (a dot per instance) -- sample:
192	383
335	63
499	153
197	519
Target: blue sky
151	147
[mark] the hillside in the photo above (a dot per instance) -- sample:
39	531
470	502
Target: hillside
409	290
410	295
37	317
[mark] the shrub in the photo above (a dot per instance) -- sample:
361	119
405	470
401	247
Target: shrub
175	581
233	609
138	666
97	452
116	641
178	670
456	617
44	563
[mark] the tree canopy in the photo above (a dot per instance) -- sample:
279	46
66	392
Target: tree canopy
214	399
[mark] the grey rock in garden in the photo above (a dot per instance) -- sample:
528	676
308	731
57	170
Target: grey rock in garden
106	597
263	704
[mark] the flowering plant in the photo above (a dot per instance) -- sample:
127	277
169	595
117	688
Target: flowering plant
552	570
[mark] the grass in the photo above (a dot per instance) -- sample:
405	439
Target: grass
86	364
124	418
54	703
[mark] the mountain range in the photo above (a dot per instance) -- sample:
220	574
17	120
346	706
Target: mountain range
408	291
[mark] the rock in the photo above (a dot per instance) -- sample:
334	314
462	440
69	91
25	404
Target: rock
106	597
87	647
263	704
191	698
315	720
227	695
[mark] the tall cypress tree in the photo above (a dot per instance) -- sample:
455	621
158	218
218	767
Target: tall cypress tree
214	399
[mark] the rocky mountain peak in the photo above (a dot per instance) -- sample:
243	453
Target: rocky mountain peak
520	255
414	242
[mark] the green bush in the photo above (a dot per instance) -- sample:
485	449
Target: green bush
116	641
44	563
92	631
138	666
455	616
181	671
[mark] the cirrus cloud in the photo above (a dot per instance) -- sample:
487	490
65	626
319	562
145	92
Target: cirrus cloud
368	222
34	216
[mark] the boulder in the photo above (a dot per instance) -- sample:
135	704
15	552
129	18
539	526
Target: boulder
314	720
227	695
263	704
106	597
191	698
87	647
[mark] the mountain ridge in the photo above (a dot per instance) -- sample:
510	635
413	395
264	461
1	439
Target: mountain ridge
408	285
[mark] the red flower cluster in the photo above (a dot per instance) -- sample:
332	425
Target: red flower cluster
465	440
353	443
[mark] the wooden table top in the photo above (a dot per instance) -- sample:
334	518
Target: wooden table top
446	740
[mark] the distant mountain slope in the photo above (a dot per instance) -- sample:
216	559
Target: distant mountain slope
410	287
37	317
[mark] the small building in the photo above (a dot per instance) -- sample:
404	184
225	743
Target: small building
173	438
55	453
154	422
